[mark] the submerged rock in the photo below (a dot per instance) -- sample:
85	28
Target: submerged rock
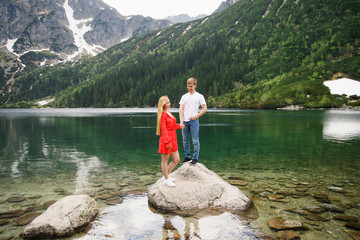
63	218
23	220
287	235
336	189
16	199
238	182
313	216
314	209
346	218
353	234
322	197
35	197
196	188
105	196
332	208
353	225
40	207
4	222
11	213
114	200
286	224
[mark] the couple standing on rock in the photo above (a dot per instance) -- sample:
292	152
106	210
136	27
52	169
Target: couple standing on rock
189	123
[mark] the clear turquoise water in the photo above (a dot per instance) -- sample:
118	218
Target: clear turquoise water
79	149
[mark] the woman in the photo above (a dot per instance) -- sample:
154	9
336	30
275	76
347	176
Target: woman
166	128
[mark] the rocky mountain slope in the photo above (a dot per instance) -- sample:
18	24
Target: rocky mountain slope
48	32
53	24
225	4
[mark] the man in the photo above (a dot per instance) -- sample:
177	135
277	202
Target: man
189	120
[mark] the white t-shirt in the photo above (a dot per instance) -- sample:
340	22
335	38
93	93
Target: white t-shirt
191	102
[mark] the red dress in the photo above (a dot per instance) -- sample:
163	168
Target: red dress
168	137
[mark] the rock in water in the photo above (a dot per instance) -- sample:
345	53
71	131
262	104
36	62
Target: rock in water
23	220
197	188
63	218
286	224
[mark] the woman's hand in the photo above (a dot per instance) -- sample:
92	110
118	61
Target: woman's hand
168	145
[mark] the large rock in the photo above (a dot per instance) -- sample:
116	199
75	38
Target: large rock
196	188
63	218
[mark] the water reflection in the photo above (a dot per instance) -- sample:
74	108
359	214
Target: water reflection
224	226
15	165
341	125
134	220
84	168
130	220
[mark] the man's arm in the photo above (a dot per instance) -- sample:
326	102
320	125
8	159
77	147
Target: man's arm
202	112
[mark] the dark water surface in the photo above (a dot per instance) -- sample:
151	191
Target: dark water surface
46	154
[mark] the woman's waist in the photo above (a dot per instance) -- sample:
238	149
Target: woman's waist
171	130
170	133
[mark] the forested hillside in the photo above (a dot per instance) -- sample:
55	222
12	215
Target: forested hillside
255	54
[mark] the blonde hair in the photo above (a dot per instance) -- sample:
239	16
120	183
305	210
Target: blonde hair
161	103
192	80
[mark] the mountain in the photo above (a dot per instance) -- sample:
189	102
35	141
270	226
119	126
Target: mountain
54	25
254	54
224	5
46	32
184	18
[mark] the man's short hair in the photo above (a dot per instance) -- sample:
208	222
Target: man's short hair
192	80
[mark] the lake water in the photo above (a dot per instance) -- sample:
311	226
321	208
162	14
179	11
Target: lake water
46	154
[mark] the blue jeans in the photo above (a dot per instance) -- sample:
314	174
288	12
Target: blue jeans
191	127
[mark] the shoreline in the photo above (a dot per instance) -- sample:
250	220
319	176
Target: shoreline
299	108
290	107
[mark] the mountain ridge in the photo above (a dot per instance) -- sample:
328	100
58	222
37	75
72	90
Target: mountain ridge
182	18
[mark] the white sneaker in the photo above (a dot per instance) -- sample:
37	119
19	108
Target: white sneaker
172	179
169	183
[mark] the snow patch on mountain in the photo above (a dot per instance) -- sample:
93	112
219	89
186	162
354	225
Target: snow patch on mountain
79	28
44	102
343	86
204	20
10	43
187	29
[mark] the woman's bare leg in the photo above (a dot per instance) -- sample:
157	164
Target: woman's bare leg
175	160
164	165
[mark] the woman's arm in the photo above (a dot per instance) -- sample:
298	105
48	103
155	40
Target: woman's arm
164	131
181	116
